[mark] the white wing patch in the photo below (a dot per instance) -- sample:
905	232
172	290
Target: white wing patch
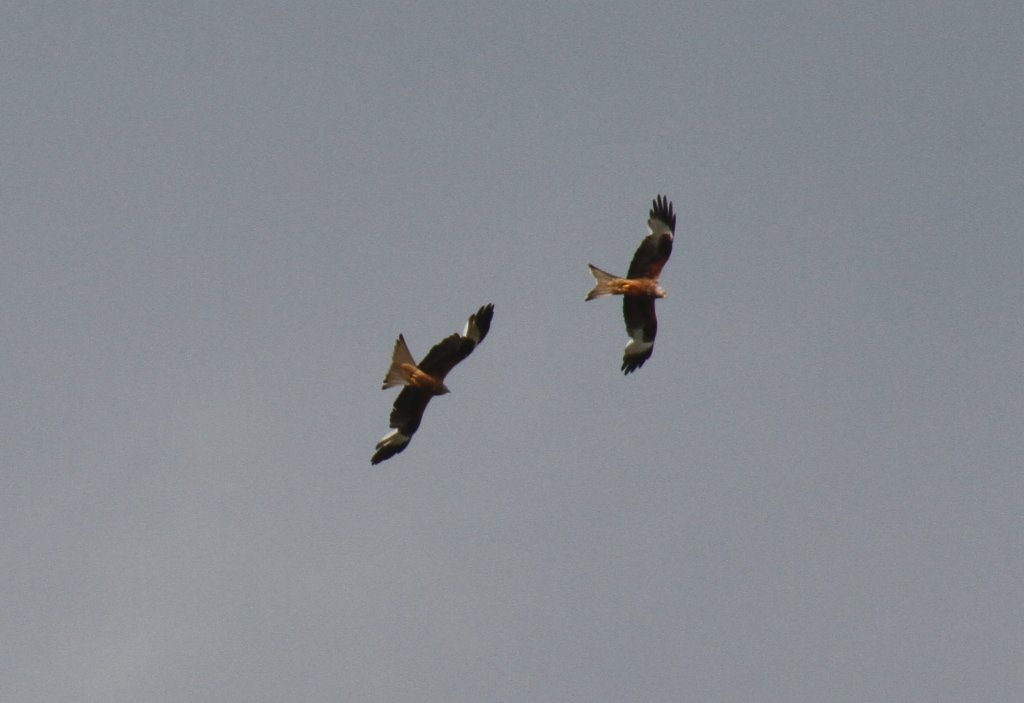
658	227
637	346
636	352
394	438
471	330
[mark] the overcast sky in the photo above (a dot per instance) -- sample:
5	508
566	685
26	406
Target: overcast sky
217	218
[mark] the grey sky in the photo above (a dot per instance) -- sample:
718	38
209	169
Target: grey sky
216	218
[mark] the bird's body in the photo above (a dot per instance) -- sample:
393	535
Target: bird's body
609	284
424	380
405	372
417	378
640	287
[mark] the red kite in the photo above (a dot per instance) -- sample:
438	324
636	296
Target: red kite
639	289
425	380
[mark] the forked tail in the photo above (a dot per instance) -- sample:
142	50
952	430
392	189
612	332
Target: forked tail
401	355
602	283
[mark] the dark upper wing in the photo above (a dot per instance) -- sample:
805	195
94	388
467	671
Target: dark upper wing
454	348
408	410
642	327
654	250
445	355
405	419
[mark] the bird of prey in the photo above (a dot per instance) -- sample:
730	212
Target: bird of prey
425	380
639	289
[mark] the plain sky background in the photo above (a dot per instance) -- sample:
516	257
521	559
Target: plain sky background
217	217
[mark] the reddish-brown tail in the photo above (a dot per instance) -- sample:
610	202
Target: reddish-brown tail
602	283
401	355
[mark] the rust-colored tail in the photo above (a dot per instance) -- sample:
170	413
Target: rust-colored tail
401	355
602	283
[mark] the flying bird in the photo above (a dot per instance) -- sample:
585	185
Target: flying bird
425	380
639	289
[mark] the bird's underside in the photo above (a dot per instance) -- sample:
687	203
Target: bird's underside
639	288
610	284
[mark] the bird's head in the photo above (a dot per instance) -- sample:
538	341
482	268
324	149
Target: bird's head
658	292
442	389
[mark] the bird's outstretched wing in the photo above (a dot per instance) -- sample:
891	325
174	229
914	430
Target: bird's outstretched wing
451	350
405	419
656	247
642	327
